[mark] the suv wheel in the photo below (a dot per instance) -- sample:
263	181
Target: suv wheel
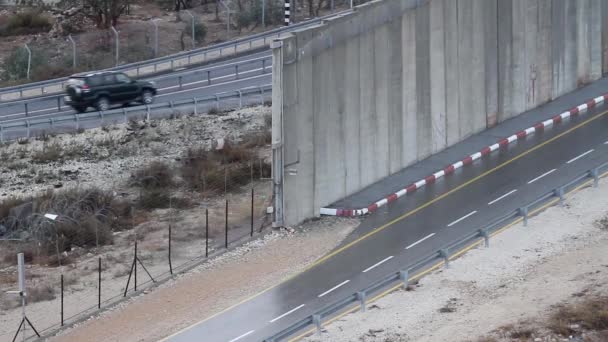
147	97
102	104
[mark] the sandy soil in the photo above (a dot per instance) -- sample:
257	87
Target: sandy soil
215	286
524	273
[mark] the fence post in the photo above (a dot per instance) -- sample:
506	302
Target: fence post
486	237
446	257
523	211
62	299
559	192
263	66
208	77
117	44
252	196
206	232
226	237
361	298
236	71
316	320
135	270
595	175
99	284
179	78
404	277
27	112
170	265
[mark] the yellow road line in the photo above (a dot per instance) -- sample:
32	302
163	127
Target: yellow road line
439	264
412	212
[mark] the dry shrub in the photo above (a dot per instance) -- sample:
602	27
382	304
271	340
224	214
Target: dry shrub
155	175
591	314
49	153
27	22
602	223
257	139
160	199
40	293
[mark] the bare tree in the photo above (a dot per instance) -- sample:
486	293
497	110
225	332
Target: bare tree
182	5
106	12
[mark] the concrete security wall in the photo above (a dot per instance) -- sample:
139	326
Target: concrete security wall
366	94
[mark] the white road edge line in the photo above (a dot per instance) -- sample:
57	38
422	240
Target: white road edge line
240	337
501	197
287	313
377	264
462	218
579	157
606	143
419	241
333	288
541	176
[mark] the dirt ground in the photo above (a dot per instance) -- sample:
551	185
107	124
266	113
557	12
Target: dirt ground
489	294
105	158
215	286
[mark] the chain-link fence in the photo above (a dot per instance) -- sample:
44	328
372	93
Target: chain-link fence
106	244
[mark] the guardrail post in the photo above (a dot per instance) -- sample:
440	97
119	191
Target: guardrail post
124	113
208	77
52	123
171	105
77	122
559	192
404	277
195	105
262	94
361	298
101	114
27	126
180	82
147	112
58	102
1	134
523	211
26	109
217	102
263	66
240	99
595	174
316	320
486	237
171	64
236	71
446	257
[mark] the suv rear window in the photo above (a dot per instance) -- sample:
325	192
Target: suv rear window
76	82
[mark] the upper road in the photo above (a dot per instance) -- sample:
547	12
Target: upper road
412	227
254	70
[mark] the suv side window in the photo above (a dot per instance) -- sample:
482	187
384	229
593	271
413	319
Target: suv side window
109	79
94	80
122	78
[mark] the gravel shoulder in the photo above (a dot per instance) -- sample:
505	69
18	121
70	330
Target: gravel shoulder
214	286
524	274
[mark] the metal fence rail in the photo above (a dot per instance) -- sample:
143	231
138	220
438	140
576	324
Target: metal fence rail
173	80
443	254
171	62
69	122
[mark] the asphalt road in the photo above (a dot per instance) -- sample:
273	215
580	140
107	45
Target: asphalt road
412	227
254	70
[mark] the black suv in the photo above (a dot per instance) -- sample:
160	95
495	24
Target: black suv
101	90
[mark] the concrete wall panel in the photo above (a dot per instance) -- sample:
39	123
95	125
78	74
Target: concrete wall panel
364	95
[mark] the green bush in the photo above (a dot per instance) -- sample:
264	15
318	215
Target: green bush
200	31
15	65
28	22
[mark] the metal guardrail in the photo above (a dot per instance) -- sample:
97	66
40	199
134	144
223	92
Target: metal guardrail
206	78
171	62
26	128
443	254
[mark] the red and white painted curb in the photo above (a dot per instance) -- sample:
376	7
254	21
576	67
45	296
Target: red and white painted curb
466	161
